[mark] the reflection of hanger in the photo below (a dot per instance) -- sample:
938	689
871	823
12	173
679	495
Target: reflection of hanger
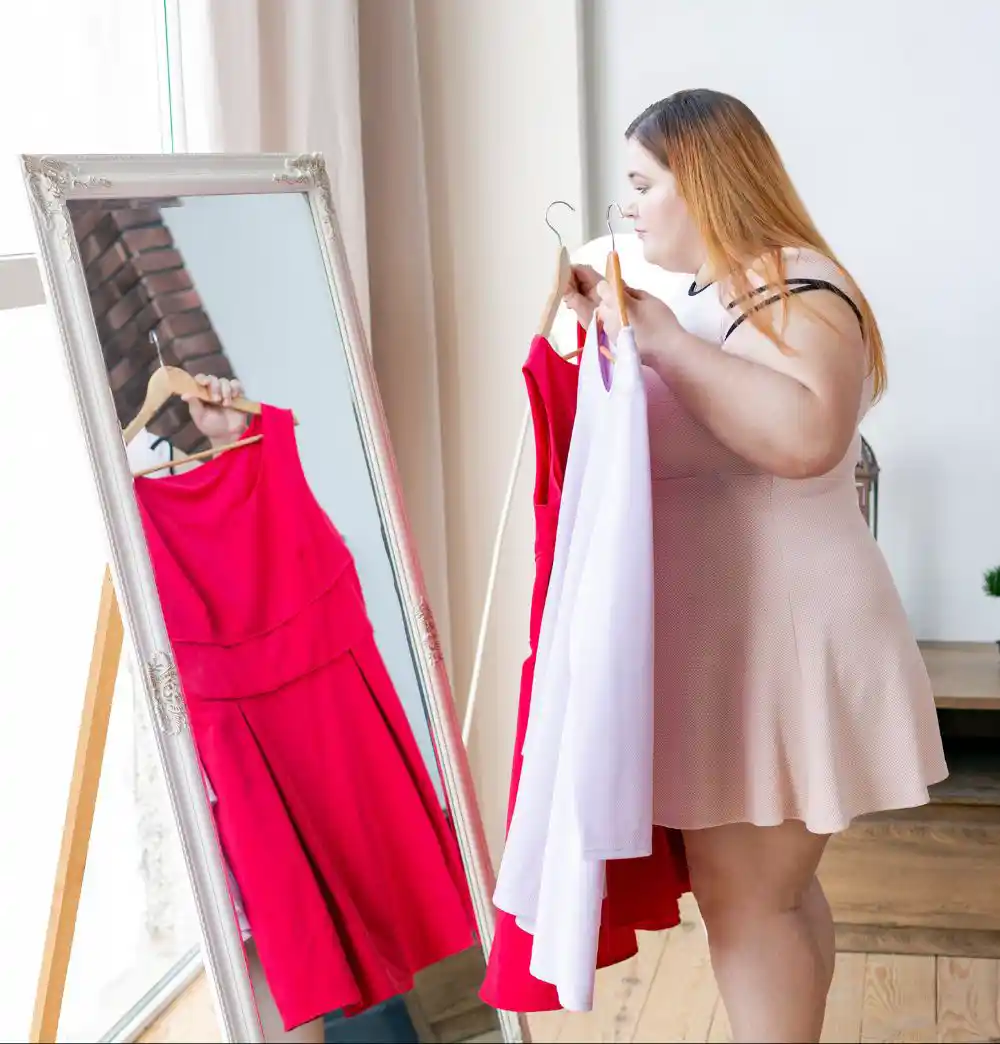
168	381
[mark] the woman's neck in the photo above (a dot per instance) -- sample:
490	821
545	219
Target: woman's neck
705	275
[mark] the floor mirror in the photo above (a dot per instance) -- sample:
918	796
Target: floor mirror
272	594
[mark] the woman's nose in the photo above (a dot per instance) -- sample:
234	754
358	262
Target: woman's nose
630	212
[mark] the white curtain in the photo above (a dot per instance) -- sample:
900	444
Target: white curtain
278	76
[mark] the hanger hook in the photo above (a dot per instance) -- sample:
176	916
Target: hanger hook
555	202
154	340
611	207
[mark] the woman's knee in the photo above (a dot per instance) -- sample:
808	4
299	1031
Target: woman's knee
741	872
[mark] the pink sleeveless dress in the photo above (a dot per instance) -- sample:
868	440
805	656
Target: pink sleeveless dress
348	869
788	682
641	893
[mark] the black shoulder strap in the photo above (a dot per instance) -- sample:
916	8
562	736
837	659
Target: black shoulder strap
794	286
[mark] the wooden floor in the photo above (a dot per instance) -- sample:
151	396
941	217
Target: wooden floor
667	993
444	1003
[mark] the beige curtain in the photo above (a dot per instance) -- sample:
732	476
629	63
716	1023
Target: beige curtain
280	76
404	329
471	127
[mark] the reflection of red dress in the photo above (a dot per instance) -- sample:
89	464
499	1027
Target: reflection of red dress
641	893
348	870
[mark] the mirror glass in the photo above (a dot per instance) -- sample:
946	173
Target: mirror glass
278	589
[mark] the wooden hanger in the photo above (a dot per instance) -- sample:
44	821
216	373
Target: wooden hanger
564	271
215	451
168	381
613	275
613	272
561	282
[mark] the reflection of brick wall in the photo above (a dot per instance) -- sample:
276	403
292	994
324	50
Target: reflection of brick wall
138	283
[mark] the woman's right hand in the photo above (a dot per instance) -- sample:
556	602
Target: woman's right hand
581	295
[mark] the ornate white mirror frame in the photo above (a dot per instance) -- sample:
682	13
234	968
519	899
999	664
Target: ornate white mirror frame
52	182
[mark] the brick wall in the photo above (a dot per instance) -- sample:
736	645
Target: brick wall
138	283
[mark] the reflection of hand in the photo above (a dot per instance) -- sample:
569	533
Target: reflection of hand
217	420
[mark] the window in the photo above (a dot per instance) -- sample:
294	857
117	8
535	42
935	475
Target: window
77	77
74	77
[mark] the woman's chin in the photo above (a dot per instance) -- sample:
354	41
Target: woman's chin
665	259
648	249
653	256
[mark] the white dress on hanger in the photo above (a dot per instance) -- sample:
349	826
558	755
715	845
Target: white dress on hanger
585	793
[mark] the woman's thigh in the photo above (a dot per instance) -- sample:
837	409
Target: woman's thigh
742	866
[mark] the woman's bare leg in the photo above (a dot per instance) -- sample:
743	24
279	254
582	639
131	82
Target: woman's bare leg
768	927
817	912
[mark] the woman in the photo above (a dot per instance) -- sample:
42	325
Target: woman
790	694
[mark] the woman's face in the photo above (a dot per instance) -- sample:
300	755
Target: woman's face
669	237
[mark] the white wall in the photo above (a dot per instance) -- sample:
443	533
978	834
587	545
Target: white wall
885	114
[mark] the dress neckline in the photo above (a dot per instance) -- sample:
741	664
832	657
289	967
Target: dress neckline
214	469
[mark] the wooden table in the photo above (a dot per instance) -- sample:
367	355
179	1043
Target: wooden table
964	675
927	880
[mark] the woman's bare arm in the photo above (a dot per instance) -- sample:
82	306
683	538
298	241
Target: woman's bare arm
792	415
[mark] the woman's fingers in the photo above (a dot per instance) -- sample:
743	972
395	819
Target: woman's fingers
581	306
211	385
584	280
230	389
221	390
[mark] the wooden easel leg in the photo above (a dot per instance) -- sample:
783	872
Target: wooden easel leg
79	817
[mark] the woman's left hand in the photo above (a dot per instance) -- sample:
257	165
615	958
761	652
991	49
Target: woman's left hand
652	321
215	418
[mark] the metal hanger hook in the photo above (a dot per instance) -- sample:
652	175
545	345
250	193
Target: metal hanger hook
154	340
557	202
611	207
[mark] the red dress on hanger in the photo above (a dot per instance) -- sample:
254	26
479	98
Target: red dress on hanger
348	869
641	893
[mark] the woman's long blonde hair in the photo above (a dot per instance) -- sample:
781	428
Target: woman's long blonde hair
740	197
